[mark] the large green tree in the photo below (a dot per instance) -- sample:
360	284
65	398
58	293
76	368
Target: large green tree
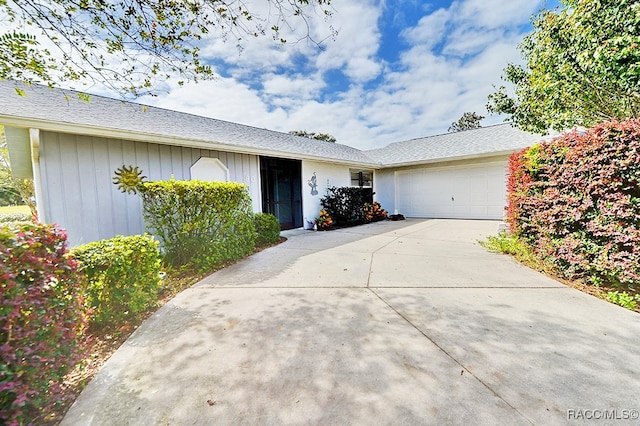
313	135
468	121
13	191
582	66
131	45
9	194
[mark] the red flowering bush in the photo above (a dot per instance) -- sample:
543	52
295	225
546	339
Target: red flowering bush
42	317
576	201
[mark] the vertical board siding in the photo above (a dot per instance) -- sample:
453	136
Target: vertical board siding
166	165
51	175
118	203
89	197
133	204
77	179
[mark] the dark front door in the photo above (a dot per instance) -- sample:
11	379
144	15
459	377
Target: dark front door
282	190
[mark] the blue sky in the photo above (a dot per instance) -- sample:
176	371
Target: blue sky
395	71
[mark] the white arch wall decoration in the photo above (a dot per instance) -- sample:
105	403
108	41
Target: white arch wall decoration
209	169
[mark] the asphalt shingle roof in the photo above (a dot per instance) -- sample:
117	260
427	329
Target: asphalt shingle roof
63	106
51	108
485	141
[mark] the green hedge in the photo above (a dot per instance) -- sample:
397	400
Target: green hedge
122	276
203	224
15	217
267	229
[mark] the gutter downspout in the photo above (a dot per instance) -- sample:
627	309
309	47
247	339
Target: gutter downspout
395	192
34	138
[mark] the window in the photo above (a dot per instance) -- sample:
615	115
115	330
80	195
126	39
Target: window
362	178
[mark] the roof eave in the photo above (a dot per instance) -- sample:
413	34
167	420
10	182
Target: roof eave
451	158
111	133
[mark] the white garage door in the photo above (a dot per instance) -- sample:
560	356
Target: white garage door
465	192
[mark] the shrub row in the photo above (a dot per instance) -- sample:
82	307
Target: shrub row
15	217
122	276
576	201
204	224
343	206
42	317
49	294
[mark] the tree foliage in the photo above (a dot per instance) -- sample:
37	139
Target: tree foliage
582	67
468	121
9	194
131	45
13	191
312	135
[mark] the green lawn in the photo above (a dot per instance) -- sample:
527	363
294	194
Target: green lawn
14	210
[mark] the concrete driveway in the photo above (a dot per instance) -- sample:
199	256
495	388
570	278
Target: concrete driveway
389	323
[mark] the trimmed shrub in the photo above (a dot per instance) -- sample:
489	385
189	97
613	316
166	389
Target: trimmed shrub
15	217
323	221
122	276
42	319
344	204
373	212
203	224
267	229
576	200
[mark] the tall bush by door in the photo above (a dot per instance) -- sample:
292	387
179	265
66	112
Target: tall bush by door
122	276
576	201
205	224
267	229
344	204
42	319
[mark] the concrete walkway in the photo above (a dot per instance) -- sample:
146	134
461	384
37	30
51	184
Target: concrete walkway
389	323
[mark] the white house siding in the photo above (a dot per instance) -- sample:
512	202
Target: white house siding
326	175
383	188
79	194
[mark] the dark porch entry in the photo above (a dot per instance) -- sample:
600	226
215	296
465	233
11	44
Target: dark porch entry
282	190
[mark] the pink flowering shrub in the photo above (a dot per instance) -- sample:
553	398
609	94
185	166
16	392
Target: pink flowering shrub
576	201
42	318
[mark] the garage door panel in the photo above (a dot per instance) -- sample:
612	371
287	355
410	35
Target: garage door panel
466	192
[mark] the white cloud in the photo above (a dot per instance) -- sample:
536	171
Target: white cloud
453	57
298	86
355	47
464	41
495	13
430	29
223	98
